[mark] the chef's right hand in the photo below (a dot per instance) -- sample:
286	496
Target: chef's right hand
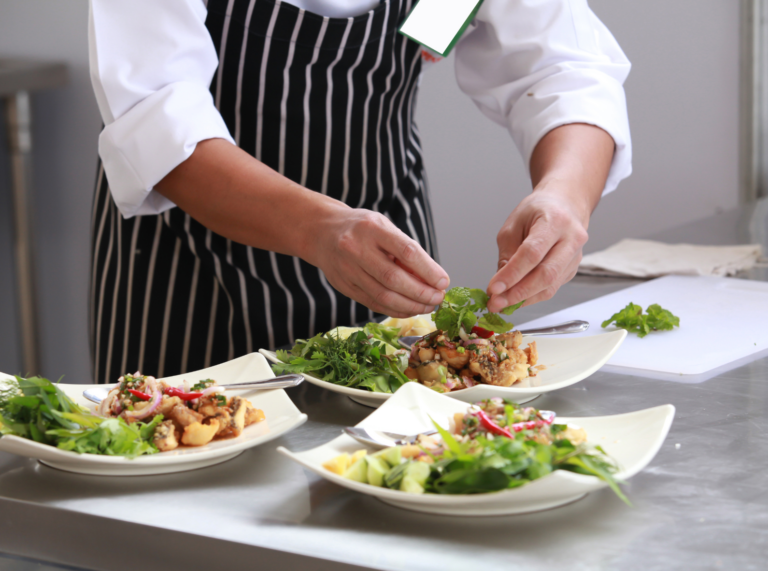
367	258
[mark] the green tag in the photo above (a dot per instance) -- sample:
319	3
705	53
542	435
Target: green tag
438	24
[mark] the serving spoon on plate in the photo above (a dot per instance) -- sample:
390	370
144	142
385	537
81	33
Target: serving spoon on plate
98	393
576	326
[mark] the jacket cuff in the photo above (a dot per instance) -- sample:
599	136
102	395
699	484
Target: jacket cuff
153	138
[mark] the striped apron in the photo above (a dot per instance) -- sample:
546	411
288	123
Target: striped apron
327	102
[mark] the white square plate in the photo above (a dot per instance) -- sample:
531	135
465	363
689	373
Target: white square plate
631	439
567	360
281	417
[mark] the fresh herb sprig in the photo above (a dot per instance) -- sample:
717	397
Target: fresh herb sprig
458	310
366	359
634	320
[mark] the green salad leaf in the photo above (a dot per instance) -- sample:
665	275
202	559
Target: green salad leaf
366	359
458	310
487	465
634	320
35	408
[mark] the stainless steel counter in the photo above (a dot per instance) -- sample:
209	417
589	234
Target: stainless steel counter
702	503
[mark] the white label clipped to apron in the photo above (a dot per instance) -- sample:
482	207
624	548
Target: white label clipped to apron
438	24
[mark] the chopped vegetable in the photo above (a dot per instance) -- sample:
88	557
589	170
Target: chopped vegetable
139	395
634	320
176	392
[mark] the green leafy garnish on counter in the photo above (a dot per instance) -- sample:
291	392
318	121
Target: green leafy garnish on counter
634	320
458	310
35	408
367	359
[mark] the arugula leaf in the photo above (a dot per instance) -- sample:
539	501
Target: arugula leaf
458	310
634	320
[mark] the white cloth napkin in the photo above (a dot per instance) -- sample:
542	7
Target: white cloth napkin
649	259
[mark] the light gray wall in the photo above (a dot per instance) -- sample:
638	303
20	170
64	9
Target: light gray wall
683	109
66	128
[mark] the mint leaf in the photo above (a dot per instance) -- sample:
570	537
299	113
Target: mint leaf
458	310
635	321
458	296
494	322
510	309
480	298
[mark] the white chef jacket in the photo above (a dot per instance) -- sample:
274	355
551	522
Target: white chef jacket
529	65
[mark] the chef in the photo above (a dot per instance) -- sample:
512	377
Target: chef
261	176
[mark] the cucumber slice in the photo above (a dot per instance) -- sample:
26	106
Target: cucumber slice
411	486
391	456
358	471
377	469
418	472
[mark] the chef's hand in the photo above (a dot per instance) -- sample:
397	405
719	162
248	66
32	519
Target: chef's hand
540	244
367	258
539	250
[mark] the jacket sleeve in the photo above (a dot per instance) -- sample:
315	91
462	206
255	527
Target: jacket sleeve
534	65
151	66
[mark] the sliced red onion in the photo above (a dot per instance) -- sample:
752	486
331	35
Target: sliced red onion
463	334
210	390
468	381
547	416
106	404
449	384
414	352
478	342
157	397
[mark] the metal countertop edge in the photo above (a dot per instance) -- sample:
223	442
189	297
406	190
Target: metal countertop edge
63	529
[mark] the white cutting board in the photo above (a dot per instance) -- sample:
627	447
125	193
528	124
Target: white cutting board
722	320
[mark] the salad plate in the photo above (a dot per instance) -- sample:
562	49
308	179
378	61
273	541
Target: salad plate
566	361
631	439
281	417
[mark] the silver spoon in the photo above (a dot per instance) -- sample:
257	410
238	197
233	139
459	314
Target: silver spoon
381	439
99	392
576	326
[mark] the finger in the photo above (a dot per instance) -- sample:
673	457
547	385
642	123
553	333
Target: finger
375	296
412	256
550	292
393	277
543	281
528	255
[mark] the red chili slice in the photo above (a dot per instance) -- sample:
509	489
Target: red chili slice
482	333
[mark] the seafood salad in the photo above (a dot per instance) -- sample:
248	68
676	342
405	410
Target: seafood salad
191	416
450	364
495	445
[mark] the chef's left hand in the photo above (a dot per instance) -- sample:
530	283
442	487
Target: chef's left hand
540	243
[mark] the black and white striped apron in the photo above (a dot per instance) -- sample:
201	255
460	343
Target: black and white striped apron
327	102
